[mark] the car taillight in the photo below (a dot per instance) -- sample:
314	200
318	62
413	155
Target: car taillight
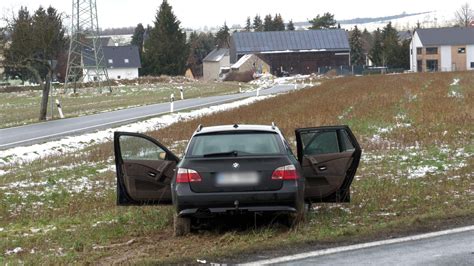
287	172
187	175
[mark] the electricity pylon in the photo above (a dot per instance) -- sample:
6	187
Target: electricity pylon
86	60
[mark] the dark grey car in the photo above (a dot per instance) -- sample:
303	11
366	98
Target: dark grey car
235	169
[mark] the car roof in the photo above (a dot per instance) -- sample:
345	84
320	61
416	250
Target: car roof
236	128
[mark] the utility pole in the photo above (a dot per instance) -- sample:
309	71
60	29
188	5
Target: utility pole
86	61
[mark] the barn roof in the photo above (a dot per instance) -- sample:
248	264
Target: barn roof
446	36
291	41
118	57
216	55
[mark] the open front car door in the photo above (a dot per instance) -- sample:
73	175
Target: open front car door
329	157
144	170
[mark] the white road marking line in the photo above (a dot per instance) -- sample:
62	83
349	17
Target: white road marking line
110	123
359	246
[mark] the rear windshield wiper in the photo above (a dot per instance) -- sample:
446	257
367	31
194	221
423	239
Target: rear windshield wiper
229	153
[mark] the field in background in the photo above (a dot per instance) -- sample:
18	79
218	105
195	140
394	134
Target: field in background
416	168
20	108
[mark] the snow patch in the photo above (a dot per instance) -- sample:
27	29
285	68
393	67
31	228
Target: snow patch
421	171
455	90
14	251
110	168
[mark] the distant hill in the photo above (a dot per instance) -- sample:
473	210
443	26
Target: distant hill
368	19
403	21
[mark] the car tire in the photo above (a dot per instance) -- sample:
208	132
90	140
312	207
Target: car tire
182	225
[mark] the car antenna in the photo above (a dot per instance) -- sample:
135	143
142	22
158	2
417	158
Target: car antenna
273	126
199	128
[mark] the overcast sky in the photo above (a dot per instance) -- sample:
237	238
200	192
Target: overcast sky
199	13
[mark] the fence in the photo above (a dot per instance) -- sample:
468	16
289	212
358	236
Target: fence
358	70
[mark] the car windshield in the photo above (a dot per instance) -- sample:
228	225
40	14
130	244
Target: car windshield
241	144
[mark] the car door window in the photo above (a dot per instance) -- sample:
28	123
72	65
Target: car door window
346	142
321	143
135	148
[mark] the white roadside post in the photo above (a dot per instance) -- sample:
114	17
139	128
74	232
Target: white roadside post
296	83
258	91
60	109
181	90
172	103
311	81
240	87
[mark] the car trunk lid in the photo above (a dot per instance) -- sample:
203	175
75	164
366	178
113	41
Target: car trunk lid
236	174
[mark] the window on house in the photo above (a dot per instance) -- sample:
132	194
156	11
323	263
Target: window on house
119	77
419	50
472	64
111	61
126	61
432	65
462	50
432	50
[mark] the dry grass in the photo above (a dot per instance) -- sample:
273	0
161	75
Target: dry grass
417	167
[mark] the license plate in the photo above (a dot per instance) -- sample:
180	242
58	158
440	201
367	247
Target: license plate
237	179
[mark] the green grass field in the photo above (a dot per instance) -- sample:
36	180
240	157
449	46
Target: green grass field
416	170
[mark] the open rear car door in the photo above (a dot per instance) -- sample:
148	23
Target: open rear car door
144	170
329	157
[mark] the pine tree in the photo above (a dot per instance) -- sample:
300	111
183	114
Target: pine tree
390	44
223	37
357	55
138	37
248	25
21	46
268	23
376	53
166	50
404	55
257	23
290	25
278	24
325	21
367	41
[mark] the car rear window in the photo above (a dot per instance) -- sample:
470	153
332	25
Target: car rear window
243	143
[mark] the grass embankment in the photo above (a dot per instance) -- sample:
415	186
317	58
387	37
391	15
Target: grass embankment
417	169
20	108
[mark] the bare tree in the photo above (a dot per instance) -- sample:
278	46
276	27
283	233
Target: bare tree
464	16
36	42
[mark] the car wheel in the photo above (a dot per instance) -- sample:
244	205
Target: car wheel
182	225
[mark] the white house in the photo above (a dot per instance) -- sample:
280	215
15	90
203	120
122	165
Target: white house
442	49
213	63
122	62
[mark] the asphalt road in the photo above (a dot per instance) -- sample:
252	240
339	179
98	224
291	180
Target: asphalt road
449	249
40	132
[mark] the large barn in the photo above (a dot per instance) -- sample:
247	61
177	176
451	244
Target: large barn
295	52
